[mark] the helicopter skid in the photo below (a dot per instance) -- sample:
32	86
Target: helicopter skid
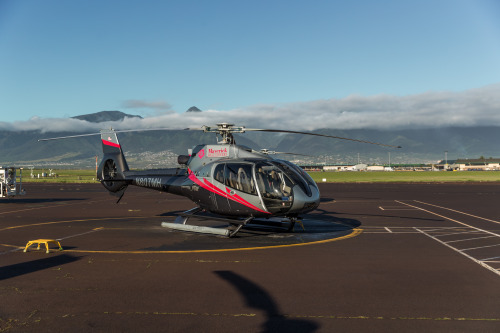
181	224
288	223
196	228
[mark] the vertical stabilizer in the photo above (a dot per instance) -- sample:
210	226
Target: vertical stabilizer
111	146
113	164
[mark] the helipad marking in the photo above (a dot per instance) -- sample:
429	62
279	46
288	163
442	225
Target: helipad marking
449	219
479	247
396	208
457	211
83	233
355	232
469	239
478	261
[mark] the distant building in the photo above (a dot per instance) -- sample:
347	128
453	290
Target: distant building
479	164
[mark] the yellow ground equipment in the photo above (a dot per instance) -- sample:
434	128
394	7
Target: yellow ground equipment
43	241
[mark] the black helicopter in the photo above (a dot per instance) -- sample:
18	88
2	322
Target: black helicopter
237	184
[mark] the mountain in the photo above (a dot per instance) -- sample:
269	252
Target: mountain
419	145
103	116
160	148
193	109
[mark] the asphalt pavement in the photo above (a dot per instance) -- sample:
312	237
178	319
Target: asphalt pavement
371	258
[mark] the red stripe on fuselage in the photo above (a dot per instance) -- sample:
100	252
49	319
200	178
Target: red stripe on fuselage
212	188
109	143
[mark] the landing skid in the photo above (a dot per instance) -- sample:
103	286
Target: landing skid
181	224
234	227
288	223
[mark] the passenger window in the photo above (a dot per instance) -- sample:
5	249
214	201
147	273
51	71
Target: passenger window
239	176
219	173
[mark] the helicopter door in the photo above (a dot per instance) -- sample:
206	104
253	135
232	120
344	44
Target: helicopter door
275	188
237	181
222	203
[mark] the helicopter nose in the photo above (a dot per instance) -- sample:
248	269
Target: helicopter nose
304	203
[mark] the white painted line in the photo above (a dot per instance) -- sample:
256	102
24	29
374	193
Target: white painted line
490	259
13	250
468	239
389	230
457	211
439	229
449	219
479	247
398	208
462	233
488	267
83	233
393	232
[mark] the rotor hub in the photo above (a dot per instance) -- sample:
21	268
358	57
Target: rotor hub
225	130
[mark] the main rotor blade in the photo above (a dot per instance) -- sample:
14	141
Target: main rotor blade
272	152
315	134
281	152
119	131
69	136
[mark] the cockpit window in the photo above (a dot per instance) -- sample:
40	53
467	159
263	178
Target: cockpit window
301	172
295	176
271	181
274	186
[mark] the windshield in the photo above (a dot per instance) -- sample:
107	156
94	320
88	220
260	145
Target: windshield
295	176
301	172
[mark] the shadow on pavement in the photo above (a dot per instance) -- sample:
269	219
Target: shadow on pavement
258	298
15	270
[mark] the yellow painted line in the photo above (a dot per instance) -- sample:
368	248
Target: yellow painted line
355	232
358	317
393	318
157	313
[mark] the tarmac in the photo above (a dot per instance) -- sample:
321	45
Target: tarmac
372	258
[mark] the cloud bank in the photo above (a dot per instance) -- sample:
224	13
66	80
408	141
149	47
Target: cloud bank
475	107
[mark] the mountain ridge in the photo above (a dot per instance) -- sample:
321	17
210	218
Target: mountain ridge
419	145
103	116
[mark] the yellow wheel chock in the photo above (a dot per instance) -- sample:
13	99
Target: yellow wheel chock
44	241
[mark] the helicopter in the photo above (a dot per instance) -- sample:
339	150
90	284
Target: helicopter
233	183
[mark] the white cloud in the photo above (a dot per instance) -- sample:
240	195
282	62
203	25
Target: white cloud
476	107
159	107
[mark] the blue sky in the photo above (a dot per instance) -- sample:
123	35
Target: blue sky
65	58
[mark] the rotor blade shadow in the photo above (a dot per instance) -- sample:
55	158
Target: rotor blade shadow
258	298
15	270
